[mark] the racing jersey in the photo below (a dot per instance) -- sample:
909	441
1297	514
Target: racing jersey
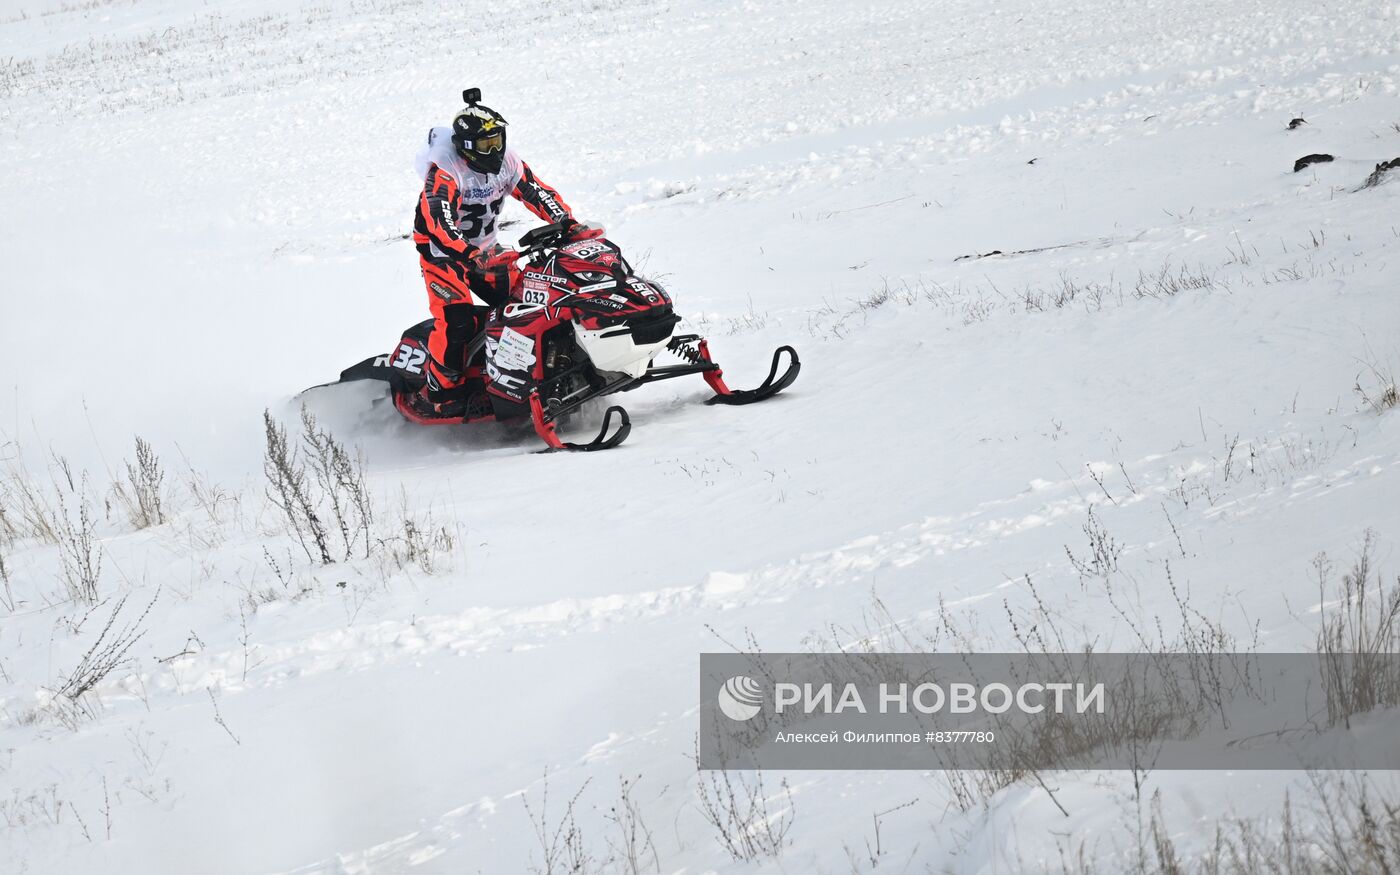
458	208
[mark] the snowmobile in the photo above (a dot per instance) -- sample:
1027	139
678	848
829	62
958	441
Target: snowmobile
580	324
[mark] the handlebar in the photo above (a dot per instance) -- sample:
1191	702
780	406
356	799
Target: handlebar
537	240
544	236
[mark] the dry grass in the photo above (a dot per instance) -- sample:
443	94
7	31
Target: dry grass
107	652
631	848
1376	383
1360	637
7	595
977	303
421	543
290	489
564	849
1354	829
142	492
340	475
79	553
748	822
320	488
1382	391
562	846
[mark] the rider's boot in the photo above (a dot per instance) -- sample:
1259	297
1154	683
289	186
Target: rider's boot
446	391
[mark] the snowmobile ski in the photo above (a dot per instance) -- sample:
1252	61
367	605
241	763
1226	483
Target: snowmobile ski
544	427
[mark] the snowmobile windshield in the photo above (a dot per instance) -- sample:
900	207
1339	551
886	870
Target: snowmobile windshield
489	143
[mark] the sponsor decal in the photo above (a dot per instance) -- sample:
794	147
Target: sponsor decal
477	113
447	218
505	382
547	201
515	351
443	291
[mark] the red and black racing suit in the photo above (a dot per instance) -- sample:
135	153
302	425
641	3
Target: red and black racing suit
461	288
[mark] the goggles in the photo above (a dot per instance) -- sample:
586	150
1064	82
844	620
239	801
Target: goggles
489	143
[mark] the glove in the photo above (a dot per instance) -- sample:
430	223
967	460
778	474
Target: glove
575	230
501	259
494	276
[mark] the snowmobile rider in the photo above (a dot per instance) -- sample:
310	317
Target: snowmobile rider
467	172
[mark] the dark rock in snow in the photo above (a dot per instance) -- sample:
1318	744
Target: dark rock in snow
1310	159
1380	171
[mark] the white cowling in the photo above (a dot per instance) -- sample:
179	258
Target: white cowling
613	349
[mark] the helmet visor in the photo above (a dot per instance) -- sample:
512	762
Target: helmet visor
489	143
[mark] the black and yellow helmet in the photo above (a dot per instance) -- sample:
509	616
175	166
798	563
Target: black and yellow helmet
479	133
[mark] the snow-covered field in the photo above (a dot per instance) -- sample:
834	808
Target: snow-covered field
202	206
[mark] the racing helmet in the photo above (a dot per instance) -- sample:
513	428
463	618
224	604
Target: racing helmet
479	134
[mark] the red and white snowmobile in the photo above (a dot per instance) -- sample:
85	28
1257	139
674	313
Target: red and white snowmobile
580	324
